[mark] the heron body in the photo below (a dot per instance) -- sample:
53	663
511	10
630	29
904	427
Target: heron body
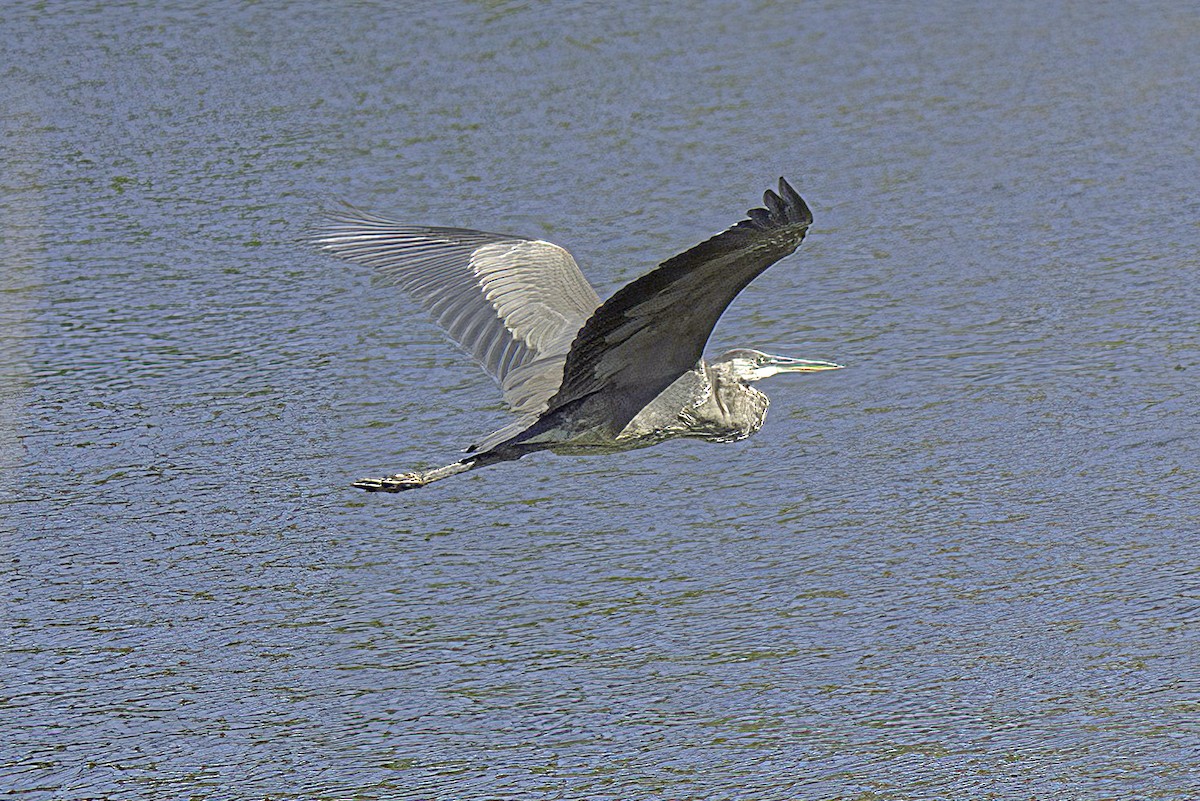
584	376
707	403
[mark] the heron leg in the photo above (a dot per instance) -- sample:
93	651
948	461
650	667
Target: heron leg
393	483
400	482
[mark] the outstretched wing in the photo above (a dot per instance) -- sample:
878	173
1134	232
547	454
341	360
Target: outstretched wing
654	330
513	304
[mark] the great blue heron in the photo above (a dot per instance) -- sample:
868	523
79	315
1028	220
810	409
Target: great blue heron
587	377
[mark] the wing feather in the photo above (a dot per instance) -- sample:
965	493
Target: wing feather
513	304
654	329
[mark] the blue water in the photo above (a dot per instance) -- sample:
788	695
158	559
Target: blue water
966	567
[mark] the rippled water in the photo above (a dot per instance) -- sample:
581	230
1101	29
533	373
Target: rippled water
964	568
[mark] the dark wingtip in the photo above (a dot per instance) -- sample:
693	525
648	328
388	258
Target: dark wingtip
761	217
774	204
785	189
783	208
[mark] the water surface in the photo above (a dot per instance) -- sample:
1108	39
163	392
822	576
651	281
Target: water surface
963	568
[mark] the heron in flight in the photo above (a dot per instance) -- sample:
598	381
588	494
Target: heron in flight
584	376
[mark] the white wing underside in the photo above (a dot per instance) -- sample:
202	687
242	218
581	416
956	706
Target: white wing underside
513	304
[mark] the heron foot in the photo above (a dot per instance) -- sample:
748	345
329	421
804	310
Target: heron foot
396	483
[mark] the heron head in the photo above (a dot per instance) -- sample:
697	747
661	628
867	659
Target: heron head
747	365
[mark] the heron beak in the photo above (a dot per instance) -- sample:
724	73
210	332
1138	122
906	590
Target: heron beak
784	364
